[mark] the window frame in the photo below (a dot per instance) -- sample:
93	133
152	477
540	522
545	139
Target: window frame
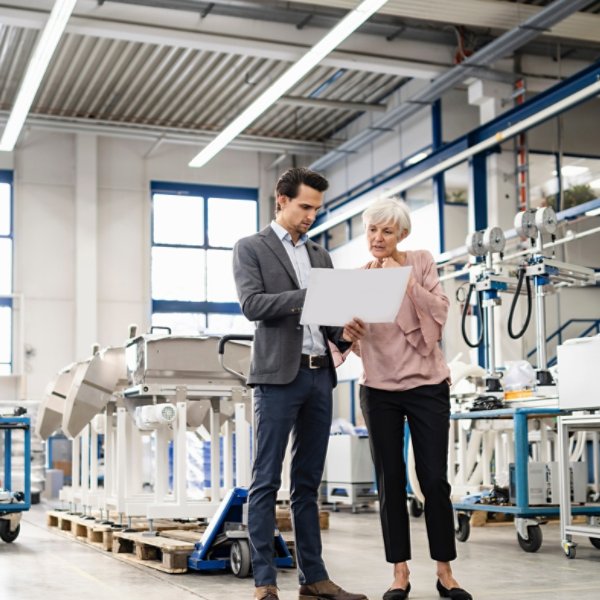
7	176
205	191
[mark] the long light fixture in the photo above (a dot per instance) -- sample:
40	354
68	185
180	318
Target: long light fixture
36	69
299	69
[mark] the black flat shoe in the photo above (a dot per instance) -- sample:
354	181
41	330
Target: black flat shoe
453	593
397	594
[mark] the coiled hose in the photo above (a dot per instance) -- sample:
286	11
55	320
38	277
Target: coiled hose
511	314
464	319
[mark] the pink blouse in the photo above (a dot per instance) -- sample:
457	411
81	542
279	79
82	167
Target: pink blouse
406	353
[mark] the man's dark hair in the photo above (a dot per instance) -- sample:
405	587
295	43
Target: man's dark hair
289	183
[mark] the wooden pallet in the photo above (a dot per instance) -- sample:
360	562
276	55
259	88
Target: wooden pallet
101	536
157	552
284	519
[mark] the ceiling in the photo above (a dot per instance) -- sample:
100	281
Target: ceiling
183	69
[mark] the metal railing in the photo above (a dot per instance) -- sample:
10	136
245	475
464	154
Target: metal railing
593	325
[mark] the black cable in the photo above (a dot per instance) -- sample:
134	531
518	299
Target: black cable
513	304
464	319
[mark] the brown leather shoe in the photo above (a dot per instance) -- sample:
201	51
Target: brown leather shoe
266	592
327	590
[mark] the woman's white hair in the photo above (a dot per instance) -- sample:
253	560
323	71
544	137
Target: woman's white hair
388	210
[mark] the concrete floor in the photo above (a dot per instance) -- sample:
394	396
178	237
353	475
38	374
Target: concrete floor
45	564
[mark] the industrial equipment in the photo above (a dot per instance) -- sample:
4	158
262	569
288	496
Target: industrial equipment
144	399
544	271
487	282
350	472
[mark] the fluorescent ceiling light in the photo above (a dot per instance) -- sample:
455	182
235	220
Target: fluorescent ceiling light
595	184
416	158
297	71
571	171
46	45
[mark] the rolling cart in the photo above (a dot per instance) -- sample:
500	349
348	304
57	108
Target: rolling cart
14	503
591	529
527	518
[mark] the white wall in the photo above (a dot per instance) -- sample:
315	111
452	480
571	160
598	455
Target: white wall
45	233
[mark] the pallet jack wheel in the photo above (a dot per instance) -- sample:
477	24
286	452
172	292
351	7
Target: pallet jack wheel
595	542
534	543
463	531
239	556
6	534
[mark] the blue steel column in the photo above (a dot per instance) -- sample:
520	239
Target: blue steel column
559	190
27	452
439	187
478	210
478	167
521	460
7	459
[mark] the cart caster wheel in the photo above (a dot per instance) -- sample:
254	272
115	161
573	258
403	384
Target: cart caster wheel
569	549
239	556
6	534
534	543
415	507
463	531
595	542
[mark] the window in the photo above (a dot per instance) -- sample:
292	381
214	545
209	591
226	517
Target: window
6	272
194	229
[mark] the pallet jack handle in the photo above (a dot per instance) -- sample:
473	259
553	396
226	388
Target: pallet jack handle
221	350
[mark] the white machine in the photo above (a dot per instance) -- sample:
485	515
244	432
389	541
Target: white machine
157	388
578	360
350	473
544	483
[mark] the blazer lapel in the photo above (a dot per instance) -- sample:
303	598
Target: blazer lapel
314	254
274	243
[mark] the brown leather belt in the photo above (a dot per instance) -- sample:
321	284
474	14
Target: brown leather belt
314	361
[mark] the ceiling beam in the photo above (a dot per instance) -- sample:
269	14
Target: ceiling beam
167	135
200	38
496	14
336	104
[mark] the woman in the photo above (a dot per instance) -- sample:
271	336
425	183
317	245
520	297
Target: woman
405	376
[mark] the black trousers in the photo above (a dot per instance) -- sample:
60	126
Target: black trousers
427	409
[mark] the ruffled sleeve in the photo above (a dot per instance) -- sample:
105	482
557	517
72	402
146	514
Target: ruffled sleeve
424	309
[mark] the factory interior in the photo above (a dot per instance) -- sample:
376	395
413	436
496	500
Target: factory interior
147	332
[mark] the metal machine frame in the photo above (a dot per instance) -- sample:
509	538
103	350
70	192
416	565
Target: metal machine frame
11	512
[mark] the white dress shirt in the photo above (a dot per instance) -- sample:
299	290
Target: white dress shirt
313	341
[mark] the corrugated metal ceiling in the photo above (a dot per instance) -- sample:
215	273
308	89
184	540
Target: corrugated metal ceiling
99	79
130	82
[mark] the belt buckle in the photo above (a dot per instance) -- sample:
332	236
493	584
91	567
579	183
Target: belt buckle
312	365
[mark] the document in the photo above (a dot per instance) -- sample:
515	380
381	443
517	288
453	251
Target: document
336	296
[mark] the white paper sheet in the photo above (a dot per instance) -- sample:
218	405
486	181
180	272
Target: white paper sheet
336	296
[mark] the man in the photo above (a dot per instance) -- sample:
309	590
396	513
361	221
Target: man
293	376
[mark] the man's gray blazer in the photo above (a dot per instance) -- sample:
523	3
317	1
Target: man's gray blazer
270	295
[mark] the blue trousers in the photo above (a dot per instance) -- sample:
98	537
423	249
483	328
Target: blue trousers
302	408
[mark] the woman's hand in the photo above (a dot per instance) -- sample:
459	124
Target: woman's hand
354	330
391	262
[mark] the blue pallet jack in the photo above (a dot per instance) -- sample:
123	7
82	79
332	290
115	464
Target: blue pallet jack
14	503
225	544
